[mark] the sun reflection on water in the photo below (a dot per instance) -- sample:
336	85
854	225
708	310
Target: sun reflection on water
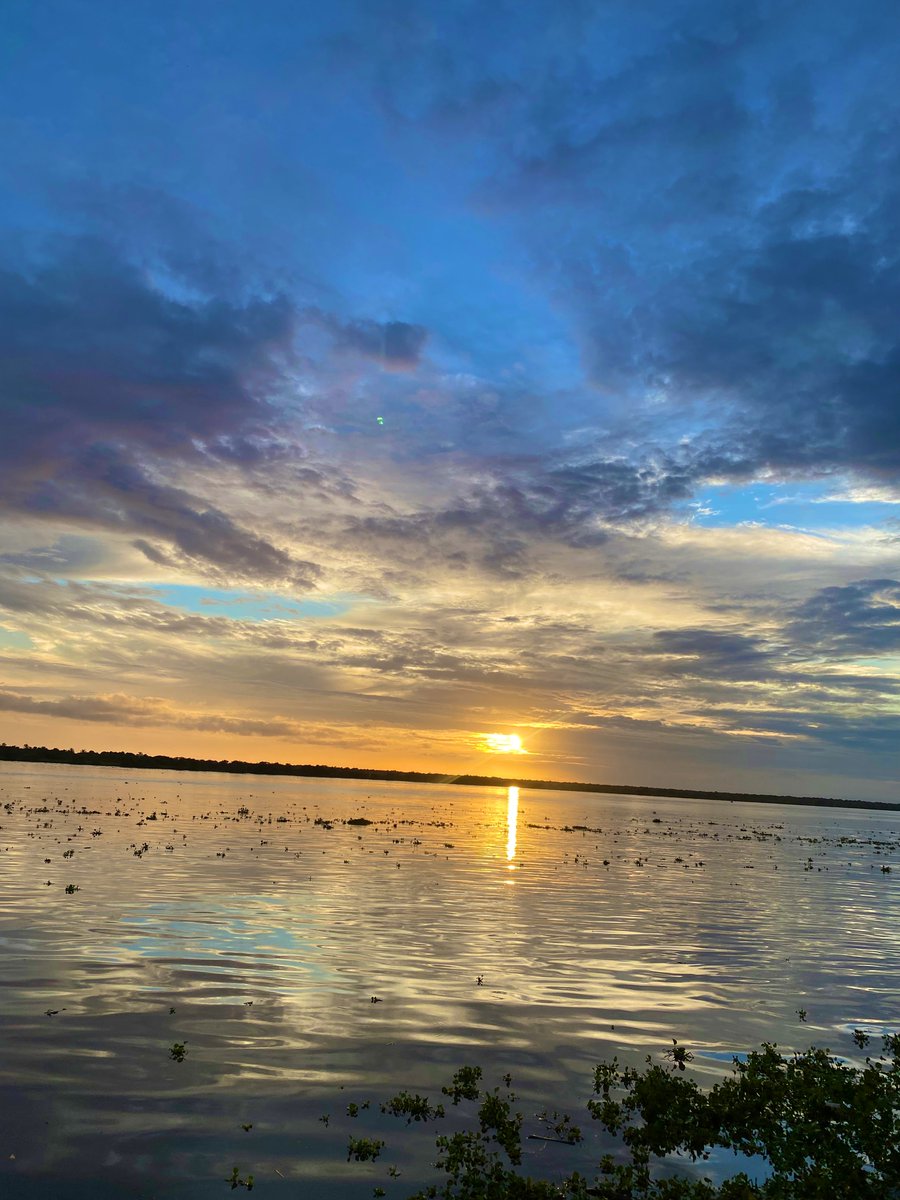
512	818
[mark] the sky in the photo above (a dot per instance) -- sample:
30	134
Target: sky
379	378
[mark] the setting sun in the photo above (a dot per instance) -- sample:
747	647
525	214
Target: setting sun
503	743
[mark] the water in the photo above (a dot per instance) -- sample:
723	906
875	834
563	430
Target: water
268	924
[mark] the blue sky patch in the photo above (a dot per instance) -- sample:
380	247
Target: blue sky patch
242	605
14	640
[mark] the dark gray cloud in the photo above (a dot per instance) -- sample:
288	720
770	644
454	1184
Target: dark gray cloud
856	620
796	338
90	343
787	350
817	729
715	654
104	378
394	344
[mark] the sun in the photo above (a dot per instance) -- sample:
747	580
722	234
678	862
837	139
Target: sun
503	743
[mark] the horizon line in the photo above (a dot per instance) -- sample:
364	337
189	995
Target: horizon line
169	762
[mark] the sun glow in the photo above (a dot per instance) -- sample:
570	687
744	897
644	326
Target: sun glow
503	743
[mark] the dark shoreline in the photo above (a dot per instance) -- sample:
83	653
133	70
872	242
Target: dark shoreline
165	762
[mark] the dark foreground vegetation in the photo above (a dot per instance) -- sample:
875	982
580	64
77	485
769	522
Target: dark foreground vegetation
166	762
817	1128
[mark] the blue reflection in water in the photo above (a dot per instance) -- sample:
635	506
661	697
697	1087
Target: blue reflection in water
220	932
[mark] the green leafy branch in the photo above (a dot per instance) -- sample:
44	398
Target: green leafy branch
824	1128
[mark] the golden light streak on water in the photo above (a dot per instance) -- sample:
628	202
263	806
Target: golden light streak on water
512	820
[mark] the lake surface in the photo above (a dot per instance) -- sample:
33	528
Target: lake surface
490	927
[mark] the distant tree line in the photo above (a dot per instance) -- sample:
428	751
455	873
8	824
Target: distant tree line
235	766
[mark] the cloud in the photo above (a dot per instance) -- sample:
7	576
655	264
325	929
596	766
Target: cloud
124	709
719	230
75	611
91	344
794	337
69	554
506	511
108	385
774	345
856	620
395	344
713	653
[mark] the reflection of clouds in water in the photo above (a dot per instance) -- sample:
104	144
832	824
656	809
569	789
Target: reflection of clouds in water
626	921
250	927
